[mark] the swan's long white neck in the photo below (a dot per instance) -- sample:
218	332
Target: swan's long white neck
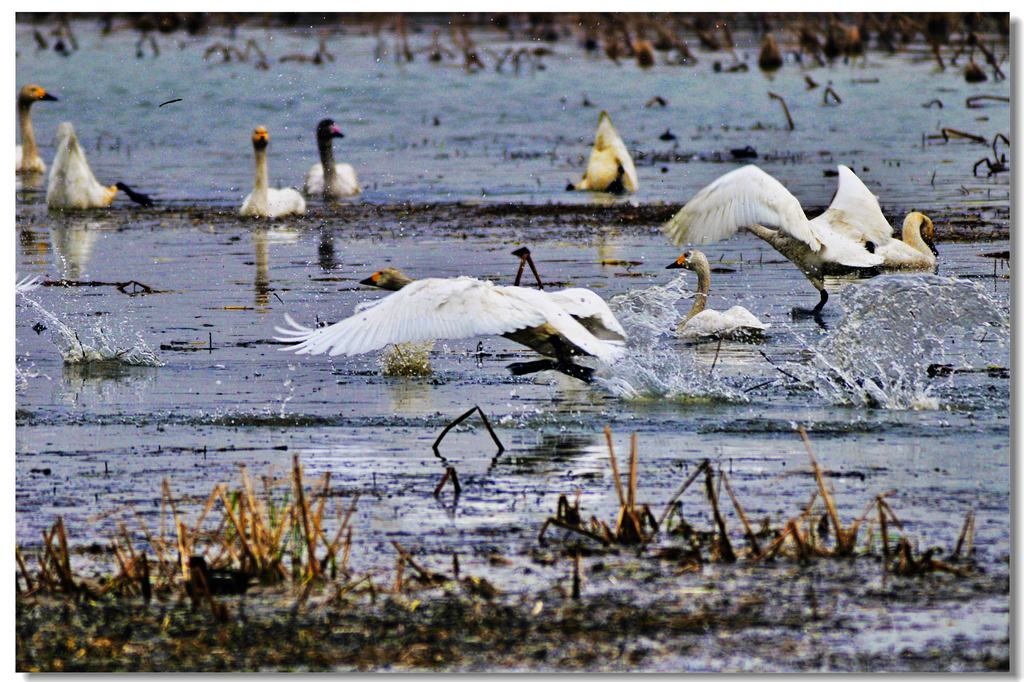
700	301
262	182
912	237
327	159
28	138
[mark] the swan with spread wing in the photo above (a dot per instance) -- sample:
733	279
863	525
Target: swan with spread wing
750	198
561	325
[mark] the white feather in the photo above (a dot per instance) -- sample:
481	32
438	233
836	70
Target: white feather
72	184
457	308
279	202
735	322
607	155
741	198
345	184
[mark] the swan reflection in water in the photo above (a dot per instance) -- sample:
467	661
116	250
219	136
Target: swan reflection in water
262	238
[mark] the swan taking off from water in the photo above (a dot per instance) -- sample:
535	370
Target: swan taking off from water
610	168
263	201
327	178
855	213
72	184
703	323
26	154
750	198
463	307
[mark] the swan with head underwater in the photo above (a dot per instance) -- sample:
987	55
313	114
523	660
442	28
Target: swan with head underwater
561	325
703	323
26	154
265	201
327	178
855	213
72	185
750	198
610	167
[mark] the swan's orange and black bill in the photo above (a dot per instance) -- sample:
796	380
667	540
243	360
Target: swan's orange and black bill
372	280
678	263
47	97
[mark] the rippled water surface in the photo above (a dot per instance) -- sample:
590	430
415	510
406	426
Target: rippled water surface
210	391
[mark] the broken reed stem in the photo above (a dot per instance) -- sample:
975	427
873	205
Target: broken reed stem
576	578
785	108
967	527
755	547
615	467
830	506
725	546
631	499
682	489
312	567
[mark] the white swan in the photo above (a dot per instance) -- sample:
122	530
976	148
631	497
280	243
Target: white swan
327	178
264	201
750	198
855	213
26	154
72	184
463	307
701	322
610	168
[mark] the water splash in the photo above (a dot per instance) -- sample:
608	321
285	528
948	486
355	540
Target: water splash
99	346
896	331
653	368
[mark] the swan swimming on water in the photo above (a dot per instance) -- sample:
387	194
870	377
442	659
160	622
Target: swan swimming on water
855	213
328	178
704	323
750	198
26	154
264	201
463	307
72	184
610	168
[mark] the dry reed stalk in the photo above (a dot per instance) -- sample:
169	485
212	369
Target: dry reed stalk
29	585
755	547
682	489
725	547
300	496
615	467
967	527
631	498
843	545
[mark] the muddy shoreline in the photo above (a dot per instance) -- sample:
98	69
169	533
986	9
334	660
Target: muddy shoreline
795	618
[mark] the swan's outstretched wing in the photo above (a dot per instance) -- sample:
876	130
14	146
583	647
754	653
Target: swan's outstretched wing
442	309
608	137
854	211
591	311
745	196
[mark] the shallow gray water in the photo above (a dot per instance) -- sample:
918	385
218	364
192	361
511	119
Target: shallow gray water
223	397
500	136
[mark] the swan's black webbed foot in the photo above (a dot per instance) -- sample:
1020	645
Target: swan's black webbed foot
814	312
584	374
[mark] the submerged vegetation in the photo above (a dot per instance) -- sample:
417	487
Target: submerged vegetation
210	590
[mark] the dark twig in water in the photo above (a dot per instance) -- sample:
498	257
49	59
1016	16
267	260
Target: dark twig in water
835	96
458	420
785	108
769	360
976	101
170	101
